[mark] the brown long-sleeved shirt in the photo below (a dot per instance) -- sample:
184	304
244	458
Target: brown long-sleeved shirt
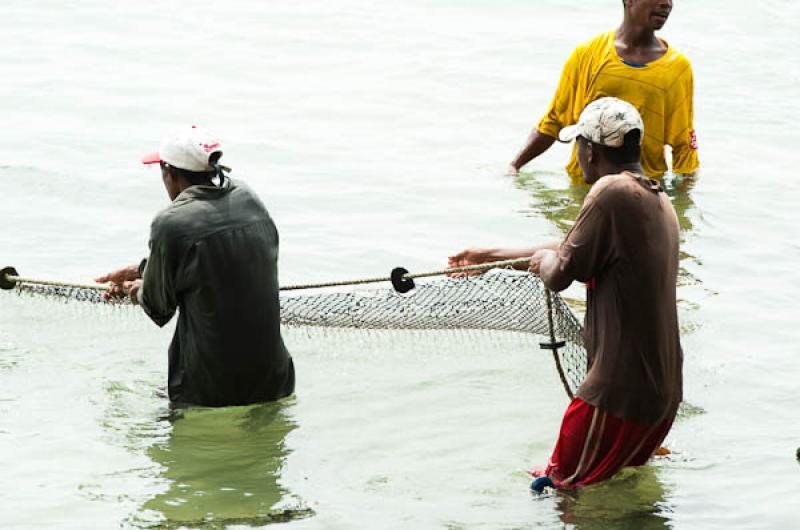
624	244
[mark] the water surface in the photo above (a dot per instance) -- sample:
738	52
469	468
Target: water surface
377	133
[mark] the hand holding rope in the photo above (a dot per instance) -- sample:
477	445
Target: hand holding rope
400	278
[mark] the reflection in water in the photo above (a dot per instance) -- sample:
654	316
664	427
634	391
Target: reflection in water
634	498
223	466
552	200
559	200
678	189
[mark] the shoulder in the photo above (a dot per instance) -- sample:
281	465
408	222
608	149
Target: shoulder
610	184
176	220
677	61
238	186
627	193
600	41
597	45
614	191
249	202
165	224
244	193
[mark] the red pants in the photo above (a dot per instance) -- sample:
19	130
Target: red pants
593	445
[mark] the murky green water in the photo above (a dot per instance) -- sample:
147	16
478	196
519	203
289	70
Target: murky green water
377	134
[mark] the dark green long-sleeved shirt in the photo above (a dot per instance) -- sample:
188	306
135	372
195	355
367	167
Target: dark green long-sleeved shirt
213	256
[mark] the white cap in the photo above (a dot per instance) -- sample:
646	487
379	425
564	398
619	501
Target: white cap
188	148
605	121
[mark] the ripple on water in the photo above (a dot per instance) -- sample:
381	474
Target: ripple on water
213	522
9	362
10	357
634	498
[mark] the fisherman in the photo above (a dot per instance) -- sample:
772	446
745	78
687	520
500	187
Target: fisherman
632	64
213	256
624	246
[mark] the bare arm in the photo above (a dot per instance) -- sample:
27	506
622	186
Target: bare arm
120	276
476	256
537	144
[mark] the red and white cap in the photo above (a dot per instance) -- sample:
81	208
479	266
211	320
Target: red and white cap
186	148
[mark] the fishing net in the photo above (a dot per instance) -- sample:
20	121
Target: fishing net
500	299
66	293
497	300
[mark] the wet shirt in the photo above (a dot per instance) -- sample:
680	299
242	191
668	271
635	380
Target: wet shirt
662	91
624	245
213	257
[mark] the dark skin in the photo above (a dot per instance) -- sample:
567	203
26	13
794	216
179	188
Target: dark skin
126	281
544	258
635	41
175	182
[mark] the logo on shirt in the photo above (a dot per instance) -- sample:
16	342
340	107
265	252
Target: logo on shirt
693	140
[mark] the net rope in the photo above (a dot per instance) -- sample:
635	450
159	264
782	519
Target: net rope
498	300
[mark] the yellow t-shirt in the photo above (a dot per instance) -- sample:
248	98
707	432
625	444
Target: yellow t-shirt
661	90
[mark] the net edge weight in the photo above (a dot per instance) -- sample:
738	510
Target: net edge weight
5	282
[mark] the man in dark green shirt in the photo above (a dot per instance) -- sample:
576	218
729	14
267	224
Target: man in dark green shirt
213	257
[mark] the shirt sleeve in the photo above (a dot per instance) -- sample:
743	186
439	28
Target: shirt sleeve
681	135
561	112
585	252
159	298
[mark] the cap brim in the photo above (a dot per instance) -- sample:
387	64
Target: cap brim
151	158
567	134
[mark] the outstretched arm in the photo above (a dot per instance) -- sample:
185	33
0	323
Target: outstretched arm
120	276
476	256
537	144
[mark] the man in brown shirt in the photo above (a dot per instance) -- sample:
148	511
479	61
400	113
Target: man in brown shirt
624	246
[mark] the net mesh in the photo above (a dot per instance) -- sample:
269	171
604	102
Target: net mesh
496	300
77	294
500	299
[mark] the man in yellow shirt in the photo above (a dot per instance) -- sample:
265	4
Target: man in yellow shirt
632	64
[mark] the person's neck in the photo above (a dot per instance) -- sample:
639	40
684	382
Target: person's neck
635	36
184	185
